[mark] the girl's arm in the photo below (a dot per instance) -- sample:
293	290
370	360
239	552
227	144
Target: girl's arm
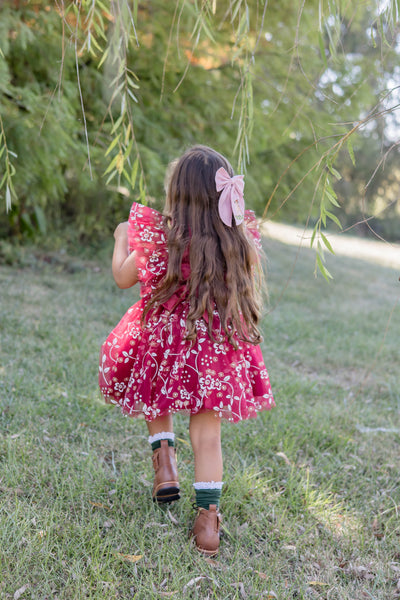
123	264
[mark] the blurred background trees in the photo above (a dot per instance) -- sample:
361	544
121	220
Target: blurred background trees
96	97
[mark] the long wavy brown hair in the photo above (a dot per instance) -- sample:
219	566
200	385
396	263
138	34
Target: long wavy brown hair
224	262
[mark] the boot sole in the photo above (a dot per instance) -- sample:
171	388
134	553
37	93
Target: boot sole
167	495
208	553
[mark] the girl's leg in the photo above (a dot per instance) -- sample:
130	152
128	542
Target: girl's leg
162	440
160	424
205	435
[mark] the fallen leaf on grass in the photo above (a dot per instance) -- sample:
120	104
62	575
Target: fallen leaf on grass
21	591
262	575
360	572
378	529
155	524
171	516
285	458
99	505
213	563
321	583
193	582
14	436
183	441
145	482
108	524
129	557
240	586
270	595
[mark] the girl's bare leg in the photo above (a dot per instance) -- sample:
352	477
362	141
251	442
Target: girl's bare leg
160	424
205	435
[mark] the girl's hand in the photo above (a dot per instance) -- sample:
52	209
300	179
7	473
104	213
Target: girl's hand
121	231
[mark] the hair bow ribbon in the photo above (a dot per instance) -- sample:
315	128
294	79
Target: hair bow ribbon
231	201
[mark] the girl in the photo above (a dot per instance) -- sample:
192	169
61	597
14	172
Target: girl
191	343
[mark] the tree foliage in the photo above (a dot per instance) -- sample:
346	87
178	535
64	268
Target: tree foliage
96	97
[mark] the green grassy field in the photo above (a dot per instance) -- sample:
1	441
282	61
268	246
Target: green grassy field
312	496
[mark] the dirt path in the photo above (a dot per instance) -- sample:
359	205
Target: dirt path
382	253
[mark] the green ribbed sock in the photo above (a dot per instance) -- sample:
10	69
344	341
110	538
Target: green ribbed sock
157	444
206	497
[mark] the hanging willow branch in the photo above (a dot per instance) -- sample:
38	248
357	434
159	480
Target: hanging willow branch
109	32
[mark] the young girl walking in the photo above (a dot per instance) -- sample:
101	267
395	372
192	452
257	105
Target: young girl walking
191	343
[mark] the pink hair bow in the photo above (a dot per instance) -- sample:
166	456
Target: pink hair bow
231	201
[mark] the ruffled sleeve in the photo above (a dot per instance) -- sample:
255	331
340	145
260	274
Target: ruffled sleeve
251	223
146	237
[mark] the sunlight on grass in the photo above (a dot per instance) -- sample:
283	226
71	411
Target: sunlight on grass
375	251
331	513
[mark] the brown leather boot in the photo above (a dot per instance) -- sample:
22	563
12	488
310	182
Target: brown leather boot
206	530
166	485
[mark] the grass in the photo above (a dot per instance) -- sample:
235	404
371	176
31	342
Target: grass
312	496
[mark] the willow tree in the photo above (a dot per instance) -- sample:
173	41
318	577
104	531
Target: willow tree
289	92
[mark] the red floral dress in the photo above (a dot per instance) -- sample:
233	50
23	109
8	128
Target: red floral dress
152	370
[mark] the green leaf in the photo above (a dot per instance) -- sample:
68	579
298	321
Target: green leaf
104	57
117	124
126	176
141	183
128	150
238	4
134	172
250	99
8	198
327	243
351	151
103	6
114	82
372	36
132	95
113	144
333	218
332	200
113	174
111	165
334	172
323	269
242	27
120	162
100	29
313	236
132	83
95	43
207	30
